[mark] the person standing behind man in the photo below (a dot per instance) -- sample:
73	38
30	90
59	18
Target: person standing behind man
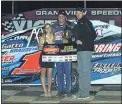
85	36
59	29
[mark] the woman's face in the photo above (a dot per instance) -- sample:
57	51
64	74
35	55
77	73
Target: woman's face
48	29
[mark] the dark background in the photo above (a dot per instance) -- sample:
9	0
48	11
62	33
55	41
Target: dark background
23	6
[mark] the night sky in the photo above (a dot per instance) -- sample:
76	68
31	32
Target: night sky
23	6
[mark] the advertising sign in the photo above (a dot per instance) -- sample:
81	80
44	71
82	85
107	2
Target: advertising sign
21	56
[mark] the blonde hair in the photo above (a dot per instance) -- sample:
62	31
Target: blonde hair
52	34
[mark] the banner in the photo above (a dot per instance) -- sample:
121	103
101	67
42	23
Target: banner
59	53
21	56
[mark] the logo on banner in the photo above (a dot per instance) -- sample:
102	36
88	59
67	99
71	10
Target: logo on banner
51	49
8	59
100	48
11	46
8	80
5	68
106	68
106	12
30	66
24	49
19	23
99	29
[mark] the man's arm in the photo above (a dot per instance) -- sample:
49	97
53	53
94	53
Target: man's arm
93	31
90	28
65	40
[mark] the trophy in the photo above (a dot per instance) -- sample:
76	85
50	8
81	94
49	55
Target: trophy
67	34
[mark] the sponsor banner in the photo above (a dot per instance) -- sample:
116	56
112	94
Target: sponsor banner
105	48
52	52
59	49
109	50
5	68
105	12
22	21
8	81
106	55
30	65
7	59
29	49
62	58
20	37
106	67
13	44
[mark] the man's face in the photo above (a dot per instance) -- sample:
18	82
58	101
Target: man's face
79	14
61	18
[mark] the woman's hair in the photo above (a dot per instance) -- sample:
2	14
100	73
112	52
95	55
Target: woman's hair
52	34
47	24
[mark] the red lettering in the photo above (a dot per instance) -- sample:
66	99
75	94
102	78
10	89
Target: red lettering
117	47
100	48
110	48
99	31
30	66
8	58
107	48
11	58
96	46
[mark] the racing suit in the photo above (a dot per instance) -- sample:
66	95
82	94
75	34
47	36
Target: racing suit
62	67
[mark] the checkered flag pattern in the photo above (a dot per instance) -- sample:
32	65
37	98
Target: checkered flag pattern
8	26
34	94
19	17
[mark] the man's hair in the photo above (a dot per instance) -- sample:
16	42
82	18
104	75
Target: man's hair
62	12
80	9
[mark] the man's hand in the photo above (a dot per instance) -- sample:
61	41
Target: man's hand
65	40
79	42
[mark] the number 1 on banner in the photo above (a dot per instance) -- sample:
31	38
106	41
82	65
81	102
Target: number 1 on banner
30	66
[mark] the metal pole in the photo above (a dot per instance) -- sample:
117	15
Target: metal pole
12	7
84	4
85	7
